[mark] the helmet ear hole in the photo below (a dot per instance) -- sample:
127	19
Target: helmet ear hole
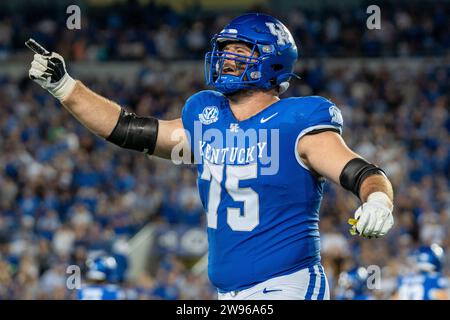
277	67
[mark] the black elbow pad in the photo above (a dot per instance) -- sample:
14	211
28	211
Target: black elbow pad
136	133
354	173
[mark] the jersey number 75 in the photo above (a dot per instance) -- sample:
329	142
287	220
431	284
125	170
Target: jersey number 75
237	221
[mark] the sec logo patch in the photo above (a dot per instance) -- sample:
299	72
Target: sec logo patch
209	115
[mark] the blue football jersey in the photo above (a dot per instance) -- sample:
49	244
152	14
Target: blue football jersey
349	295
262	202
100	292
421	286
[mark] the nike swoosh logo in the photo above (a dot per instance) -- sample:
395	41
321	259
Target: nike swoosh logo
263	120
267	291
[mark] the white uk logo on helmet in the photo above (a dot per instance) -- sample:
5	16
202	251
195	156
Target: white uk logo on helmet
278	31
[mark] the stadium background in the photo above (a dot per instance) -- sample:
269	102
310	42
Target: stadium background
65	193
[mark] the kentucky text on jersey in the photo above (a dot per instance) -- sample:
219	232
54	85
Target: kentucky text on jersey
260	225
232	145
231	155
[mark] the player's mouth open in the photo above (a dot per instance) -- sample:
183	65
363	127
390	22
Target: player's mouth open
229	70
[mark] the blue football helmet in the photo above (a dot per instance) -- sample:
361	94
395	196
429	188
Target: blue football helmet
429	258
354	279
102	268
265	35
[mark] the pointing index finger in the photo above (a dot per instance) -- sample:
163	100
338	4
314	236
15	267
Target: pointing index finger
36	47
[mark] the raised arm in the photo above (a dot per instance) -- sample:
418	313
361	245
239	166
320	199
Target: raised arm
100	115
327	154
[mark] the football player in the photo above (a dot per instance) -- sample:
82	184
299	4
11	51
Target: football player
261	160
102	278
352	285
426	282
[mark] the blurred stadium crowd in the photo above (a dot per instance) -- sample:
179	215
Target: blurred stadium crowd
65	193
127	30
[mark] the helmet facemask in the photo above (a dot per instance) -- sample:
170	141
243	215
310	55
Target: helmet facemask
250	66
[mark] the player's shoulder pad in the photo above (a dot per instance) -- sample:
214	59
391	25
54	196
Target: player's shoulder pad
309	101
318	112
313	106
204	97
196	103
208	101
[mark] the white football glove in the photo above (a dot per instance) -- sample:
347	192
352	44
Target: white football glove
374	217
49	71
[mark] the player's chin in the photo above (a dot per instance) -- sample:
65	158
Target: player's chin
232	73
237	95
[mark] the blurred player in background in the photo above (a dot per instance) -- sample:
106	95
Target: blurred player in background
102	280
352	285
261	160
426	282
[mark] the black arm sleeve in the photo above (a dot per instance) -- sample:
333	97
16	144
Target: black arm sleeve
136	133
354	173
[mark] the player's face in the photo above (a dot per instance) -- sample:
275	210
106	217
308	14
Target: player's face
233	67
